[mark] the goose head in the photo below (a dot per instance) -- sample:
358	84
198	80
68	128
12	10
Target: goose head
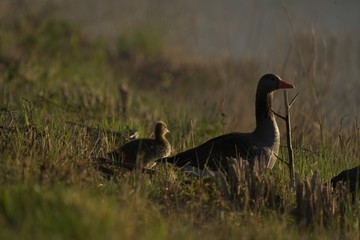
271	82
161	130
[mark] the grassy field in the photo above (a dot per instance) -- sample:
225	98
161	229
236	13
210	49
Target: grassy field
66	99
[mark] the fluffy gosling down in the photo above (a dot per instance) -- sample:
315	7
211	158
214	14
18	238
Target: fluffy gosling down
142	153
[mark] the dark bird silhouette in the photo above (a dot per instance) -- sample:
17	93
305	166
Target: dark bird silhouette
142	153
263	143
350	177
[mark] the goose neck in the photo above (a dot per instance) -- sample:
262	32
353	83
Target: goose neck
263	104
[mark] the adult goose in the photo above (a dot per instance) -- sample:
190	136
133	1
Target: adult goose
142	153
263	143
350	177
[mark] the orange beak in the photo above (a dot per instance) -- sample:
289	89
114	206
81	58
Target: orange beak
283	84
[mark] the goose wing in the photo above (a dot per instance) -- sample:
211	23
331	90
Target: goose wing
213	153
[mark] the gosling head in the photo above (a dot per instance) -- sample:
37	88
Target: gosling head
161	130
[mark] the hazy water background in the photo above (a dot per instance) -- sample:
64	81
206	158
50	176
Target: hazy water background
260	29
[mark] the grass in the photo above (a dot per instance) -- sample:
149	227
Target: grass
62	106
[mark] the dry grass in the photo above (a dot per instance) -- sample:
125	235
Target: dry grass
64	102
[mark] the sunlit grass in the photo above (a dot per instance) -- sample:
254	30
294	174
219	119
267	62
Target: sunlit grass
61	108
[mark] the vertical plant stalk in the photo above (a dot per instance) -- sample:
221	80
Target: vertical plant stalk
125	99
288	138
287	118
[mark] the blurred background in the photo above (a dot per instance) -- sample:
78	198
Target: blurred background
313	44
250	29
